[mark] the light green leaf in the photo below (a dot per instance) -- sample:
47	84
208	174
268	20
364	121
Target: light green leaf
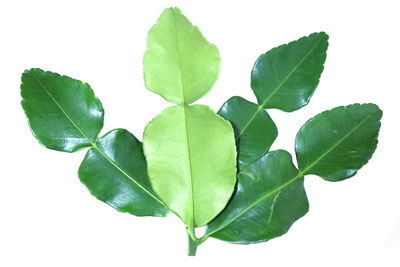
286	76
179	63
63	113
115	172
269	198
336	143
254	129
191	158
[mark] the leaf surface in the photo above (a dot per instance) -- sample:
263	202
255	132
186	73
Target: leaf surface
269	198
286	76
336	143
179	63
63	113
115	172
254	129
191	158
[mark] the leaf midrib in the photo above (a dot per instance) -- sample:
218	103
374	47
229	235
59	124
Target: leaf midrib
62	110
191	187
191	222
93	144
128	176
338	143
178	55
299	175
291	72
260	107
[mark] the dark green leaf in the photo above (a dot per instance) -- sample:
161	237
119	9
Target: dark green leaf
115	172
63	113
336	143
254	129
286	76
269	198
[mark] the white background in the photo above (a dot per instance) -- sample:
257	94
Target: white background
48	218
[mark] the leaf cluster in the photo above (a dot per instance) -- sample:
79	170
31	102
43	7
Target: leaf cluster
207	168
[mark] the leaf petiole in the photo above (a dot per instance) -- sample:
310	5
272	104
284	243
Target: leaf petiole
192	246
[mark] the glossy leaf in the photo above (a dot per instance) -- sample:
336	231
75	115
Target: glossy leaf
254	129
115	172
63	113
269	198
286	76
191	158
336	143
190	164
179	63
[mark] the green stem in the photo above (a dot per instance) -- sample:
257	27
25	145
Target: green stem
202	239
192	246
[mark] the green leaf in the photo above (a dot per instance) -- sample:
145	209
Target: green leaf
191	158
286	76
254	129
336	143
179	63
269	198
63	113
115	172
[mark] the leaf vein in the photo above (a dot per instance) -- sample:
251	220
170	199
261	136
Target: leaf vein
299	175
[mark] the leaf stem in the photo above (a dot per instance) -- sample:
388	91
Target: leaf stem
192	246
202	239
